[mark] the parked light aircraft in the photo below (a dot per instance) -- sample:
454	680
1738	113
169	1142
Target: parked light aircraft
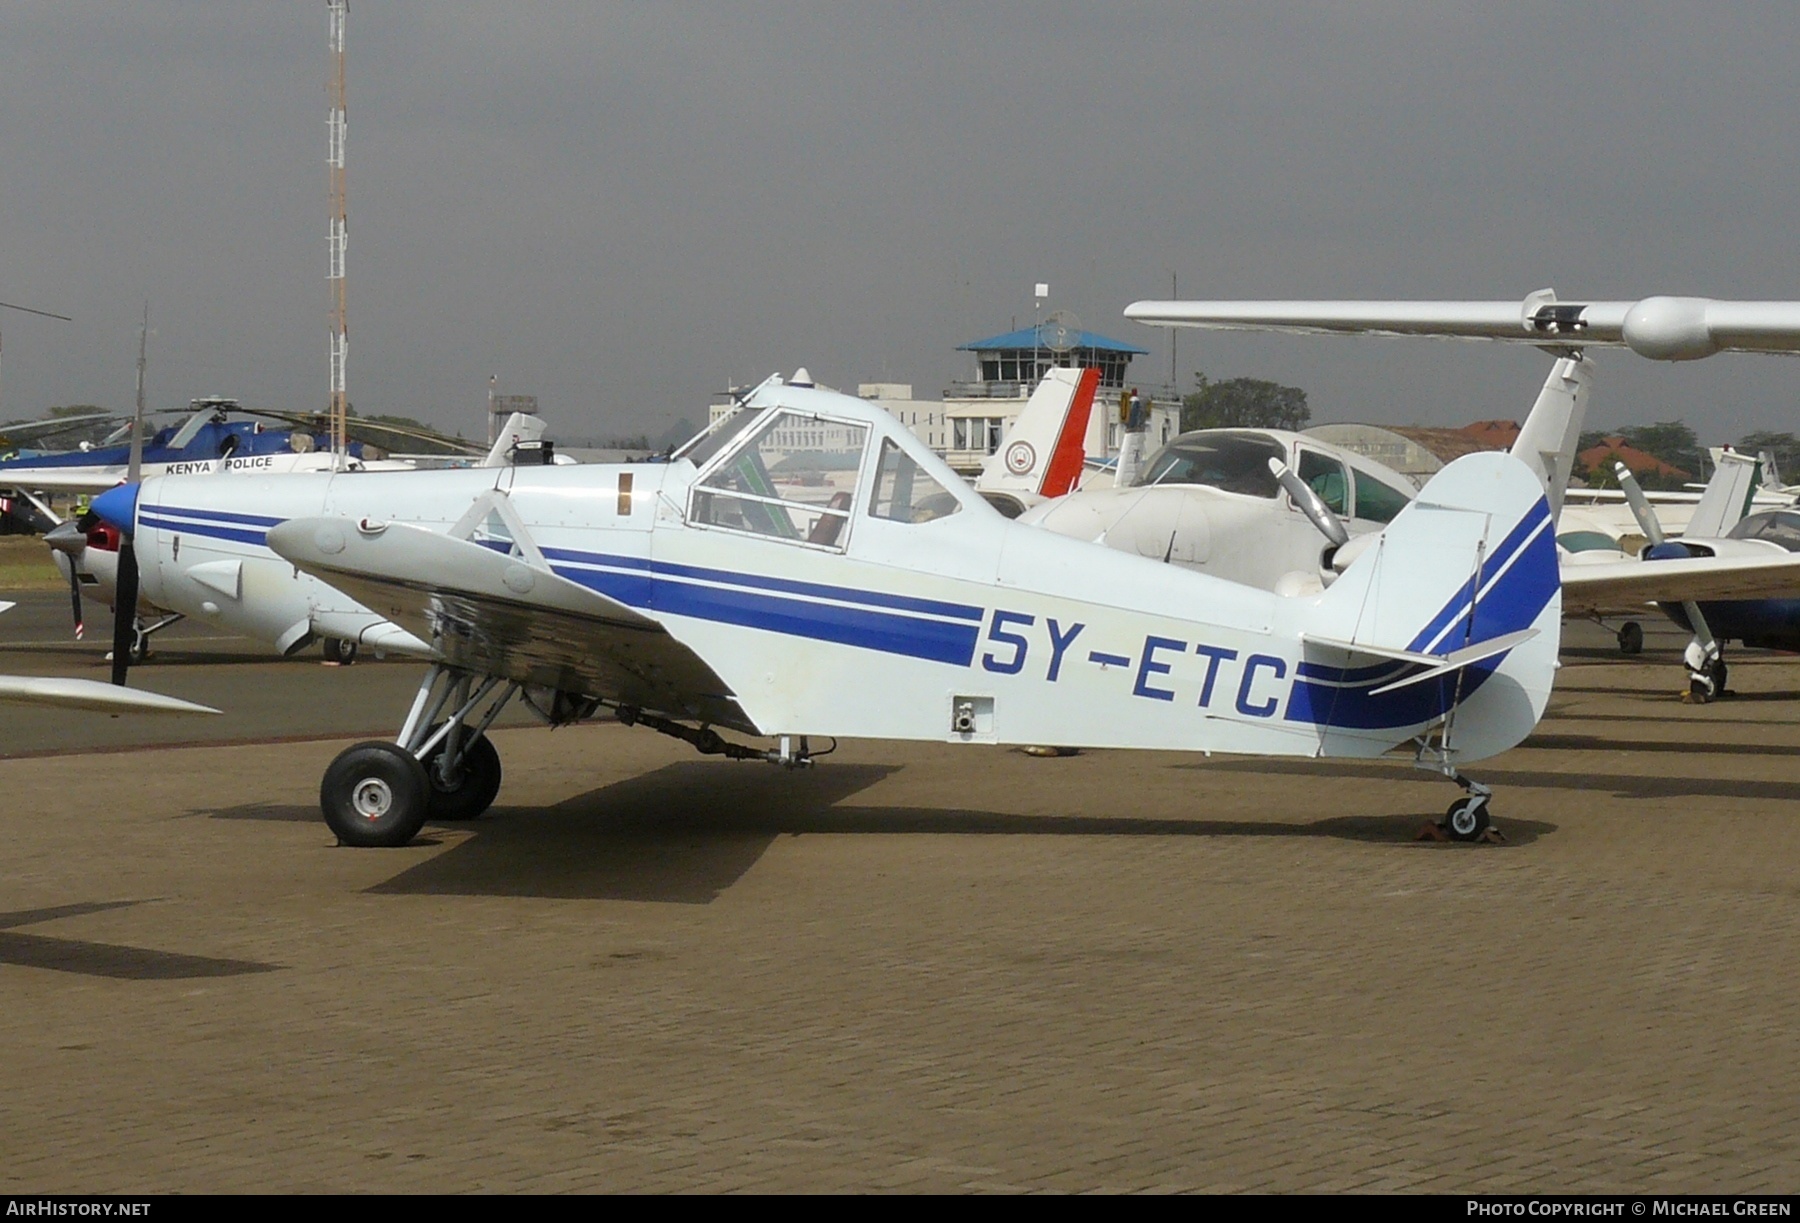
1661	328
1719	527
86	552
1287	512
808	568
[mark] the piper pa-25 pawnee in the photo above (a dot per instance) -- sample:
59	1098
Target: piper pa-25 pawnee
808	568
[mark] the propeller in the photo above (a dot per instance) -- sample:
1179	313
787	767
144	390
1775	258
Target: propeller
1703	652
70	539
1308	503
125	518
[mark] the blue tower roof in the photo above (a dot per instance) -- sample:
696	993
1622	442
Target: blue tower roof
1033	337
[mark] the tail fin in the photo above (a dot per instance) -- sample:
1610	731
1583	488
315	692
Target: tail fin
519	427
1727	497
1454	616
1042	454
1548	440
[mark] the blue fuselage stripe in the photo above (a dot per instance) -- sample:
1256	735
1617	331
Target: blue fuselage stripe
242	535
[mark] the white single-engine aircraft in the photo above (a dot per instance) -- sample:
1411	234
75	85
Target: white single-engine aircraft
86	553
808	568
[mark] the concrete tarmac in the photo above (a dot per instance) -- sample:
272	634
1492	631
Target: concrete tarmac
915	967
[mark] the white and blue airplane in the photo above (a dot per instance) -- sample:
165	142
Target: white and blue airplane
807	568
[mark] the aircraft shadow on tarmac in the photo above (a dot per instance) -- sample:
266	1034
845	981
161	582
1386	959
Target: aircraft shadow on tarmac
686	832
1622	785
92	959
1597	743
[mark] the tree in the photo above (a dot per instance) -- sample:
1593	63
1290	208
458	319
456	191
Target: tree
1669	440
1784	446
74	409
1243	403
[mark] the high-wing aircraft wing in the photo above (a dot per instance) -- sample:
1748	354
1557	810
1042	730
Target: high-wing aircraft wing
508	615
90	695
1592	586
87	694
1661	328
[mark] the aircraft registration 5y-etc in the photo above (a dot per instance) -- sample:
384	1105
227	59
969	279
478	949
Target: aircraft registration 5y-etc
807	569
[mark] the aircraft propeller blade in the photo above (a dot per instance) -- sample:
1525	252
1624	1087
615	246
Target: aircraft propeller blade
1307	501
70	539
75	601
125	611
1652	529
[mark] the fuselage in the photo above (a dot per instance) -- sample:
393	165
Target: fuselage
830	601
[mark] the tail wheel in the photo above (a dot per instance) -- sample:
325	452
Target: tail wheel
375	795
1631	638
1467	819
471	790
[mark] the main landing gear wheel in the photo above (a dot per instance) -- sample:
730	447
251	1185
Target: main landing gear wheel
1467	819
340	651
375	795
472	786
1631	638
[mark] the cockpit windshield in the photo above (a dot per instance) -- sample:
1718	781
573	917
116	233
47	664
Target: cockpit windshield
1780	527
1230	461
794	479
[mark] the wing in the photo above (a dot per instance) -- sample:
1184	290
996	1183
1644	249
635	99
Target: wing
509	616
91	695
1593	586
1662	328
61	480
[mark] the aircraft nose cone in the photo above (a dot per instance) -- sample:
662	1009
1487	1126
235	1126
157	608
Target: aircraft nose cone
67	538
117	507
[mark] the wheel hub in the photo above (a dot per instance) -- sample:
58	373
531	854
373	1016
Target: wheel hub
372	798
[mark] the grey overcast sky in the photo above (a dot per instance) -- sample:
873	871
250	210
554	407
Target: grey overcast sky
623	207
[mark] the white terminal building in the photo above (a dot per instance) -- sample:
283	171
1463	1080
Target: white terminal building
966	425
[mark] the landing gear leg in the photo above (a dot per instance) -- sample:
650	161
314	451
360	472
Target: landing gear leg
140	635
382	793
1467	819
1706	671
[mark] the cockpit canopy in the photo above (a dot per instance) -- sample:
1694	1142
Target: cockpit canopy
804	474
1228	460
1237	461
1779	527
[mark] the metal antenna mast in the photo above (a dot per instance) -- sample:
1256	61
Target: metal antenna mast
340	326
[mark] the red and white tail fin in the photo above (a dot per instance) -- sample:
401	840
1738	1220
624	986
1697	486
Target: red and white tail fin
1042	454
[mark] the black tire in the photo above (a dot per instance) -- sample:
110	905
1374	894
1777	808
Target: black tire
1719	672
375	795
1631	638
1466	819
340	651
471	793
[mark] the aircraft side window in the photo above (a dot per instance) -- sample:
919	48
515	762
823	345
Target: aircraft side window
794	479
906	492
1327	478
1376	501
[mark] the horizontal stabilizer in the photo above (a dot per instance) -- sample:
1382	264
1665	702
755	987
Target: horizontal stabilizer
1364	654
